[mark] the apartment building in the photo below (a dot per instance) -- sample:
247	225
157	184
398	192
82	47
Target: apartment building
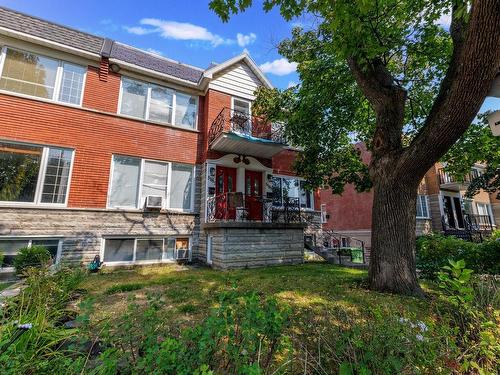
109	150
441	207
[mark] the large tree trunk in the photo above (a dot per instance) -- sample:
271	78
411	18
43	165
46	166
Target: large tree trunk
392	257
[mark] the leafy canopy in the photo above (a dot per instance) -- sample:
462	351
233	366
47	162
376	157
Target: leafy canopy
327	112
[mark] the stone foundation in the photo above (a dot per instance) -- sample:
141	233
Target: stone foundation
242	245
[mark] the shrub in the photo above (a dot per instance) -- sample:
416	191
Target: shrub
2	257
42	303
33	256
434	250
472	307
244	335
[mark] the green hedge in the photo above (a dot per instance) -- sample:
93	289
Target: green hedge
34	256
434	250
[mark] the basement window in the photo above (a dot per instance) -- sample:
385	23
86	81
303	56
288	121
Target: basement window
11	246
34	174
146	250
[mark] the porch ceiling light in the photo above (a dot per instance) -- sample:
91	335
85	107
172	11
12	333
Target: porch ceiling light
237	159
245	160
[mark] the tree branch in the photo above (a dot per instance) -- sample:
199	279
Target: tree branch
474	64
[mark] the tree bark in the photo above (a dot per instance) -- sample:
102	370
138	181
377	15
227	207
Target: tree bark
392	261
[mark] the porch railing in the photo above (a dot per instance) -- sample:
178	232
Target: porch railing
229	120
238	207
446	178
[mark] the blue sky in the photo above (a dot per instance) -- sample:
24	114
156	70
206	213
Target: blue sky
186	31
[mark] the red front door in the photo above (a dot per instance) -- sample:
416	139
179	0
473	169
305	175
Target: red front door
253	194
225	178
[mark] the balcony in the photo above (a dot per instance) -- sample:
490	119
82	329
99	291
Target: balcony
243	134
449	182
238	207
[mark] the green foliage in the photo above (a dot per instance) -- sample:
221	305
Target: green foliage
434	250
243	335
32	256
478	334
43	304
327	112
377	344
121	288
2	257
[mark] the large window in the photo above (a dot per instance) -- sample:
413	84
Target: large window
133	179
422	207
292	190
34	174
43	77
10	247
157	103
146	250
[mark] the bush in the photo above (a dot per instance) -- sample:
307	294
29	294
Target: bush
244	335
33	256
2	257
434	250
42	304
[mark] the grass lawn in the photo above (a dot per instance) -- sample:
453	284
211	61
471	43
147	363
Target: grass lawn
190	292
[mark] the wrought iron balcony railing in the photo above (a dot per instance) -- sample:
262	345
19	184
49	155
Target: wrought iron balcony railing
446	178
238	207
229	120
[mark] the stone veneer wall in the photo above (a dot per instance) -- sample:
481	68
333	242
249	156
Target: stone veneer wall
241	245
83	229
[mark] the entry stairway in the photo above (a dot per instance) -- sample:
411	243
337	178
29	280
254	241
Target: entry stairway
338	248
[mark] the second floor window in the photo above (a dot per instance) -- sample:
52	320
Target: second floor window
34	174
133	179
39	76
156	103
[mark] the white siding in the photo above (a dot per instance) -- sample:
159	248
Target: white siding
238	80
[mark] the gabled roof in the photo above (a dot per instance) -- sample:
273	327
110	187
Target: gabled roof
30	27
243	57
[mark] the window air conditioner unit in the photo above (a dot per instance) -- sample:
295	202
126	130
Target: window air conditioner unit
154	202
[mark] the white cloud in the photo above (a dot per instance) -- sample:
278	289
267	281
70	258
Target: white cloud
154	51
244	40
138	30
291	84
178	31
279	67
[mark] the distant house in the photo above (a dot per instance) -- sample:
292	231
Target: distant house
441	207
109	150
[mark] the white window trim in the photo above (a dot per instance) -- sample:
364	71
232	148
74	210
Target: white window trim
312	208
41	178
30	243
148	98
166	201
134	261
419	202
488	209
233	98
57	83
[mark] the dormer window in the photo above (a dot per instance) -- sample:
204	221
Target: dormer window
39	76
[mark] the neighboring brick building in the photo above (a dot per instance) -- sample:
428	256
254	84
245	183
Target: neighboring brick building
112	151
440	206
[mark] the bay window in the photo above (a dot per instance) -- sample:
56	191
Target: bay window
34	174
133	179
40	76
291	189
146	250
157	103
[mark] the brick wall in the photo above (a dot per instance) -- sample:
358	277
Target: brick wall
99	94
95	137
